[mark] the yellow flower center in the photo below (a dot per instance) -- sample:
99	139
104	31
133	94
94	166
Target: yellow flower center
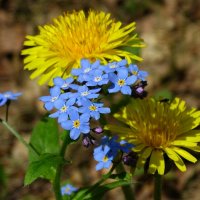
105	159
121	82
79	36
76	123
134	73
155	125
93	108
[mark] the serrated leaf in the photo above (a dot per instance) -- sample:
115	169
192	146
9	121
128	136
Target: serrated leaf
44	167
44	138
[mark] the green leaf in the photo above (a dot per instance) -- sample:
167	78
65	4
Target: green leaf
44	167
44	138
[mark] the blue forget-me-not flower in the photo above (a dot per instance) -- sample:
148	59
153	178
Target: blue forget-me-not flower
93	109
121	81
141	75
77	124
54	100
68	189
6	96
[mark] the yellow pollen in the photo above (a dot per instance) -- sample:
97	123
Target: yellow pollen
76	123
93	108
121	82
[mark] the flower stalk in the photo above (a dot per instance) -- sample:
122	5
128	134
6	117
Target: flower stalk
127	190
157	186
56	182
18	136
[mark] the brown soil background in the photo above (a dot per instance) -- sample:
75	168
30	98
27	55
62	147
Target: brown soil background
171	30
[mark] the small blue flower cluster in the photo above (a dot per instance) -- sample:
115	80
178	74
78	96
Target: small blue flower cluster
68	189
108	150
8	96
76	99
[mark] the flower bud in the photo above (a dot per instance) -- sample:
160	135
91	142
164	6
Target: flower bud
130	159
138	90
98	130
88	140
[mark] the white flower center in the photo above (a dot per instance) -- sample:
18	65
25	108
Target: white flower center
64	109
87	70
53	99
65	85
113	66
97	78
85	93
7	95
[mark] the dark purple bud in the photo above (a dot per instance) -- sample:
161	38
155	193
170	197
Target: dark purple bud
138	90
97	130
130	159
88	140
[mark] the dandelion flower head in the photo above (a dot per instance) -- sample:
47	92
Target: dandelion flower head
160	131
59	47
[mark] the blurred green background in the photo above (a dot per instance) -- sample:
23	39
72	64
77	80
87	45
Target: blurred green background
171	30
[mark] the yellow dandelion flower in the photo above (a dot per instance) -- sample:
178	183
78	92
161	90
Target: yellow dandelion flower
159	129
59	47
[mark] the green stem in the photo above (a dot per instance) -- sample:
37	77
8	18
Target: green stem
157	186
7	109
127	190
104	178
56	182
18	136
